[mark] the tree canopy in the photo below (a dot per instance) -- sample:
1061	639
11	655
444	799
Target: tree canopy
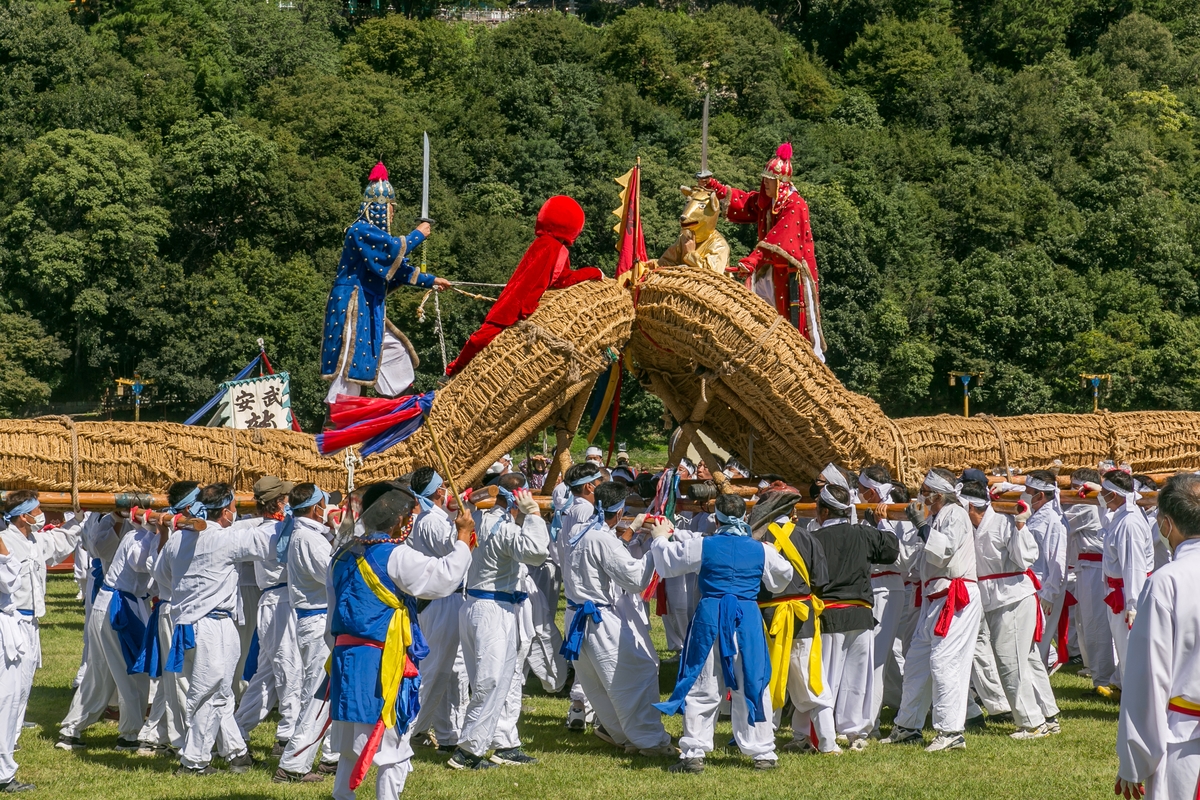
1001	186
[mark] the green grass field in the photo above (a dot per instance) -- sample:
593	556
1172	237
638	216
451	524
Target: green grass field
1079	763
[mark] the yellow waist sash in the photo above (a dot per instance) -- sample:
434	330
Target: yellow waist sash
395	646
783	625
1182	705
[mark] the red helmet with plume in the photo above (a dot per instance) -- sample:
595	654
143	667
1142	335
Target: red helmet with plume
560	217
780	166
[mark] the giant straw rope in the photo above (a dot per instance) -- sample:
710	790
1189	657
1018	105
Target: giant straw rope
504	396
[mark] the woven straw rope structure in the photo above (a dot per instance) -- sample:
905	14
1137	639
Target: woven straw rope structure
503	396
763	380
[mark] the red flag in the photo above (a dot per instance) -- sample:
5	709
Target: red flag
631	246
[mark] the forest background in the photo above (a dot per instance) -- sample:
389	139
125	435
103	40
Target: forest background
998	186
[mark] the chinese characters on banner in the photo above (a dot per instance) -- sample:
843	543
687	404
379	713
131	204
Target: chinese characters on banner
256	403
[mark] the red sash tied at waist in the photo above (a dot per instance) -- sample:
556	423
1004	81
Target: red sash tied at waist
350	640
1116	598
1090	557
1063	626
1040	630
957	597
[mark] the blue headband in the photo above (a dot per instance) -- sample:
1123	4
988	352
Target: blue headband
585	481
423	496
735	525
22	509
318	495
185	501
506	495
597	521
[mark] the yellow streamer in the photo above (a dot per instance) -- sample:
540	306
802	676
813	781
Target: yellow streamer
395	646
783	624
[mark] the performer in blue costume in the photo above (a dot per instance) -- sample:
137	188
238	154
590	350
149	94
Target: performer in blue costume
374	584
727	625
360	346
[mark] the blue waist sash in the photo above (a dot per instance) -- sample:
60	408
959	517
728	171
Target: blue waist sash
251	658
574	639
131	631
25	612
276	586
183	638
305	613
503	597
735	626
97	577
149	660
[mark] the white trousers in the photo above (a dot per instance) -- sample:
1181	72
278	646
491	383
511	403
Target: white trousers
807	703
544	659
893	673
489	641
30	663
618	669
506	736
756	740
314	653
887	606
396	372
1178	775
680	601
279	678
393	759
91	698
165	725
444	687
208	704
846	661
985	676
1092	618
1057	609
11	677
937	670
307	741
1018	660
1120	638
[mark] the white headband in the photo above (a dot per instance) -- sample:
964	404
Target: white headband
830	500
832	474
940	485
1131	498
884	490
1046	488
977	502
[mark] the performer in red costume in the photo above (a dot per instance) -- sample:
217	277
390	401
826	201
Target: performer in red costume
545	265
782	268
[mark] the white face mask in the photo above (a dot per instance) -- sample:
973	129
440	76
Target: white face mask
1027	499
39	521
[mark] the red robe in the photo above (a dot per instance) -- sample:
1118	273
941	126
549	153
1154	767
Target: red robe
545	265
785	244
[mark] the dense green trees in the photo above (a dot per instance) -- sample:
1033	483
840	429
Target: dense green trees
1002	186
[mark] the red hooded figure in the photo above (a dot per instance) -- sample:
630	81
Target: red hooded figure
545	265
782	268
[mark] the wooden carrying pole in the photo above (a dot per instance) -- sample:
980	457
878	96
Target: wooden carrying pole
112	501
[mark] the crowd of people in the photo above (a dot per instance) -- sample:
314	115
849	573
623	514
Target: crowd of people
432	617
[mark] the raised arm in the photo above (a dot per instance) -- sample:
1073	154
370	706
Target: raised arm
674	558
426	577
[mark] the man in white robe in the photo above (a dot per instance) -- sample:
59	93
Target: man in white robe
511	534
1005	551
444	687
275	677
307	550
119	609
1158	732
614	656
937	669
1084	526
205	645
1126	561
580	481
